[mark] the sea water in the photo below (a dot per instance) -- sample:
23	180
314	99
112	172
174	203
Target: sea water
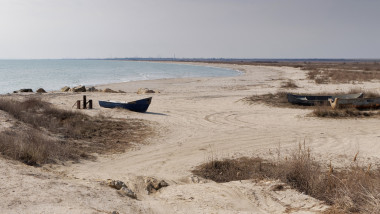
54	74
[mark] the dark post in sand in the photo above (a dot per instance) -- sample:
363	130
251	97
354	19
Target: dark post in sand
84	102
89	104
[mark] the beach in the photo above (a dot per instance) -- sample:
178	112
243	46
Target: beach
195	120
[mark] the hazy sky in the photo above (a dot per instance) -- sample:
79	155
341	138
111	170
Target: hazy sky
190	28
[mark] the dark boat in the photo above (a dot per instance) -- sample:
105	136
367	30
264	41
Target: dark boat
138	105
310	100
360	103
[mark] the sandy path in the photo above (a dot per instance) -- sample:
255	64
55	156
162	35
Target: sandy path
202	118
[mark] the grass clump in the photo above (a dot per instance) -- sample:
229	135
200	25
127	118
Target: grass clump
351	189
53	134
278	99
230	169
328	112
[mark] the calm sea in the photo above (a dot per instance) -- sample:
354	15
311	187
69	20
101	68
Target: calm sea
54	74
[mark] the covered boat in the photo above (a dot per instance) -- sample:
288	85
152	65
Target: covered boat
310	100
360	103
138	105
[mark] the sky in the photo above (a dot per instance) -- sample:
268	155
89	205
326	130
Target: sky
51	29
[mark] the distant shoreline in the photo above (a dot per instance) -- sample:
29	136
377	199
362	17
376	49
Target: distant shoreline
248	60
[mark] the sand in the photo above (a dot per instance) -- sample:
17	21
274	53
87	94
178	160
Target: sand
196	119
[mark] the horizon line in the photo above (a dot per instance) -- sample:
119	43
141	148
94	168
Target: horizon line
202	59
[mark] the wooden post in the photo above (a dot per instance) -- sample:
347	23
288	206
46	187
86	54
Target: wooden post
84	102
78	104
90	104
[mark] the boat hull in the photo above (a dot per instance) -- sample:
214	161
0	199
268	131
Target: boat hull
360	103
310	100
137	106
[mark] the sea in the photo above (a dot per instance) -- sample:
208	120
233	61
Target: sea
54	74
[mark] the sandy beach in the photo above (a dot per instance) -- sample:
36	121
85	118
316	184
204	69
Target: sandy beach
195	120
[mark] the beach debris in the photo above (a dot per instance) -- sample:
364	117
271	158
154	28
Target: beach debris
146	91
124	191
194	179
65	89
41	90
91	89
79	88
121	187
153	185
116	184
23	90
115	212
108	90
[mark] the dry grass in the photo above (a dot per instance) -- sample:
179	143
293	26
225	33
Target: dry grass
231	170
355	188
53	134
343	72
328	112
278	99
342	76
34	148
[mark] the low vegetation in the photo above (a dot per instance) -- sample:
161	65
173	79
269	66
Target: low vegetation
232	169
324	76
323	72
342	72
278	99
328	112
354	188
52	134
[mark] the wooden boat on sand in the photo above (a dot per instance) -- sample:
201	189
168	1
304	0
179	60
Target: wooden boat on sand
360	103
311	100
138	105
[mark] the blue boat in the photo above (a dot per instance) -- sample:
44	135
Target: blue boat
138	105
